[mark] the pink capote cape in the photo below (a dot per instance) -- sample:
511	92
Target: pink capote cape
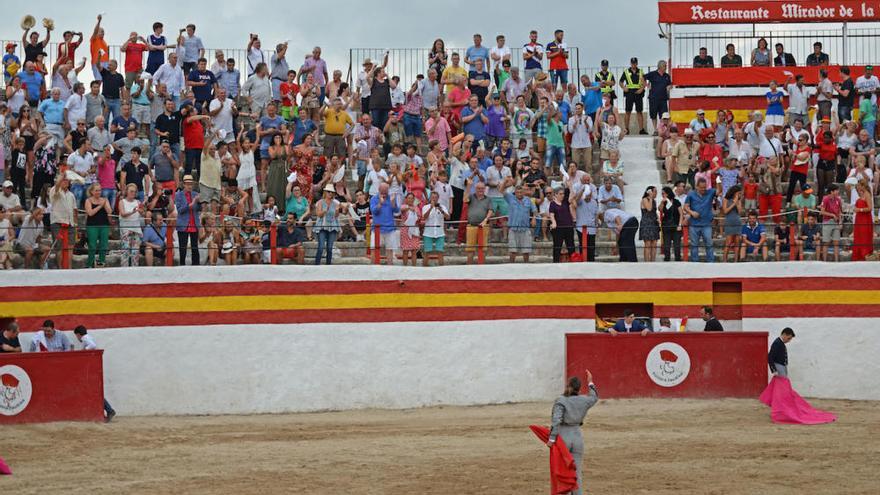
563	472
4	469
788	407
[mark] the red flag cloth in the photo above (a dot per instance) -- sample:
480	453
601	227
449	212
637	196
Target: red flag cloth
788	407
4	469
563	472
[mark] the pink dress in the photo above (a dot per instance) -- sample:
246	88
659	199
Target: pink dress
416	186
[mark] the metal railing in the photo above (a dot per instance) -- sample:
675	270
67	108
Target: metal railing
856	47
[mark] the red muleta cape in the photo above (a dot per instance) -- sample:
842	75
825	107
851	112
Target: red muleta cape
563	472
788	407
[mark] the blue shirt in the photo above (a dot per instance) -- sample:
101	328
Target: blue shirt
480	177
565	109
154	235
231	81
301	129
123	125
774	103
702	205
659	85
267	123
474	53
753	234
475	127
484	165
53	111
383	215
592	100
520	211
202	93
33	82
155	58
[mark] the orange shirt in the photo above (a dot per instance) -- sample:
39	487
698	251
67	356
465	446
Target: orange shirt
99	44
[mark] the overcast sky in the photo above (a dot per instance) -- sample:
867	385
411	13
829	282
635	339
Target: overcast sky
338	25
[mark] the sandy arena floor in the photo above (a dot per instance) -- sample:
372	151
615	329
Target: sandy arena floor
633	446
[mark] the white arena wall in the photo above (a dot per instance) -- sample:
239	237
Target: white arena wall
187	367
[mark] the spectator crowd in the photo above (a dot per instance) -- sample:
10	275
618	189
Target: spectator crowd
251	164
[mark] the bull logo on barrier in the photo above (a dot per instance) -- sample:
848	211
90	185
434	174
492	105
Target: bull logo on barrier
668	364
15	390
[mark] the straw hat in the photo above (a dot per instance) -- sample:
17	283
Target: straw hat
329	188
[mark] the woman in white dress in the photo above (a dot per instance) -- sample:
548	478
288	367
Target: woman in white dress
247	174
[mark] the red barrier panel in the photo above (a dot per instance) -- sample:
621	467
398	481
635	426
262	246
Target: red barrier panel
663	365
64	234
169	243
40	387
273	243
754	76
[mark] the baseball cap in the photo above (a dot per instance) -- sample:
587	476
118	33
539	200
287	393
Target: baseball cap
808	189
701	112
665	115
867	67
10	45
8	183
634	60
604	63
688	132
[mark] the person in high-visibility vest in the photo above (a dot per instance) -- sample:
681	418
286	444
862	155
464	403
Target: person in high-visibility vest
606	81
633	83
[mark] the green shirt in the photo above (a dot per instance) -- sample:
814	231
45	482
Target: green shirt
554	134
866	111
502	77
801	202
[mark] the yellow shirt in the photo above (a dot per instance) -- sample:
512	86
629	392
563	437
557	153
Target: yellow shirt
451	71
335	122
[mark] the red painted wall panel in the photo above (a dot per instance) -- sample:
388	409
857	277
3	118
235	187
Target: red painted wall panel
730	364
63	386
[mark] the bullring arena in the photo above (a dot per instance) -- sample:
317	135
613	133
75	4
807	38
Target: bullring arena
402	392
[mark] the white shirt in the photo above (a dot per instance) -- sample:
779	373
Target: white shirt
457	168
825	86
81	163
741	151
363	85
444	191
580	131
254	57
171	76
259	89
870	85
375	179
502	52
223	120
770	148
495	178
434	220
754	135
88	343
797	98
76	108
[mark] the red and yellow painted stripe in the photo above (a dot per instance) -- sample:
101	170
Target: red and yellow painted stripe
147	305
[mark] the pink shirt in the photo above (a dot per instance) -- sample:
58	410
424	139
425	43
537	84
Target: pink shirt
107	174
440	132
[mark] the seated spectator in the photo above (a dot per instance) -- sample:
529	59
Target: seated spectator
30	239
9	338
703	60
629	324
782	58
699	123
810	239
782	246
49	339
154	237
614	169
761	54
754	238
817	57
731	59
609	195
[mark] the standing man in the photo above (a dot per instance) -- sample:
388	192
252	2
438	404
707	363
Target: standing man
171	75
88	344
280	69
478	51
826	95
606	82
798	96
846	95
777	358
580	126
133	48
712	323
32	44
533	55
383	208
317	66
157	45
698	205
193	49
189	211
203	83
659	86
557	52
633	83
230	79
499	54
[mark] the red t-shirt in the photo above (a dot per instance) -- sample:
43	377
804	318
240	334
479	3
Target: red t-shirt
71	50
134	59
286	88
193	134
458	95
750	190
827	151
801	169
558	61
